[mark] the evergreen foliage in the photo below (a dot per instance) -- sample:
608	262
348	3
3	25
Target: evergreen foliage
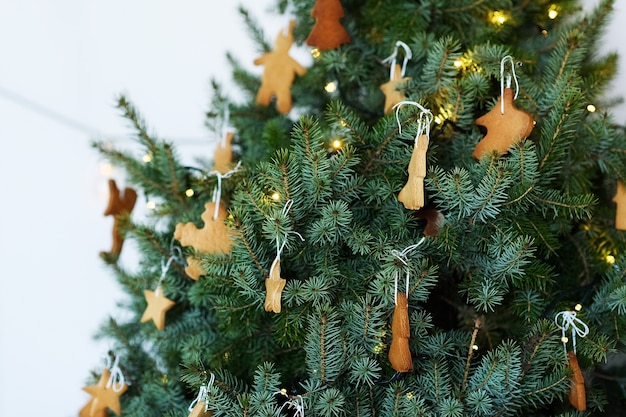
525	235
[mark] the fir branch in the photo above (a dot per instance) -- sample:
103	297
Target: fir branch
470	353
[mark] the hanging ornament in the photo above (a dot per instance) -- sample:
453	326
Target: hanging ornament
200	406
399	352
566	320
119	204
86	410
213	237
158	303
327	33
392	89
275	284
107	396
620	200
505	123
295	403
279	72
412	195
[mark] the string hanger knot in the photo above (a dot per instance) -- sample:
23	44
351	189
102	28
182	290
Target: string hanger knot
423	122
402	257
408	54
116	380
203	394
566	320
217	191
509	76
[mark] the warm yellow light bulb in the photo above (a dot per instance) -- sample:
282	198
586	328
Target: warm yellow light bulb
189	192
564	339
438	120
151	205
578	307
591	108
497	17
275	196
474	347
147	158
315	53
610	259
458	63
553	12
336	144
330	87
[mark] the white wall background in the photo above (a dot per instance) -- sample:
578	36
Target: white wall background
62	63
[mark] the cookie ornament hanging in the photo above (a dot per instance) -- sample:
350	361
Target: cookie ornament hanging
106	396
566	320
412	194
119	204
399	352
275	284
200	406
328	32
620	200
392	89
279	72
505	123
213	237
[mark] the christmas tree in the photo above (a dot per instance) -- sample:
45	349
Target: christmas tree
459	255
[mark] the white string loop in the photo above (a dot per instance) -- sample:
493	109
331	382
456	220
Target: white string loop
116	381
297	403
566	320
217	191
401	255
423	123
408	54
508	80
176	255
203	395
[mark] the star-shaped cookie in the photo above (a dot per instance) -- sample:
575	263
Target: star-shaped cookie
158	304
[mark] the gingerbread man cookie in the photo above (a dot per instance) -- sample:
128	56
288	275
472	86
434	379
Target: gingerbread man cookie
328	33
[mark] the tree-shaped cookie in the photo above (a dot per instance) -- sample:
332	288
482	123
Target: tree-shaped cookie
620	200
119	204
213	237
506	125
328	32
412	195
399	353
392	89
279	73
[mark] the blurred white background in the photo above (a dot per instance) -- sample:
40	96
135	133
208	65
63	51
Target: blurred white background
62	64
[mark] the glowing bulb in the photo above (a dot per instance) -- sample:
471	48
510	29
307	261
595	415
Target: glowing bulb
553	12
458	63
438	120
331	87
343	123
151	205
475	347
336	144
276	196
578	307
610	259
409	396
315	53
564	339
497	17
544	32
106	169
591	108
147	158
189	192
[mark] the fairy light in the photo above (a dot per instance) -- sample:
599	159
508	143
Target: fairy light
474	347
497	17
330	87
591	108
578	307
106	169
151	205
409	396
315	53
189	192
544	32
458	63
343	123
609	259
275	196
336	144
438	119
553	12
147	158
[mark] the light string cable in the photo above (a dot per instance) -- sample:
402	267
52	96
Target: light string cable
295	402
423	122
176	255
510	76
566	320
116	380
408	54
203	394
217	191
402	257
280	246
